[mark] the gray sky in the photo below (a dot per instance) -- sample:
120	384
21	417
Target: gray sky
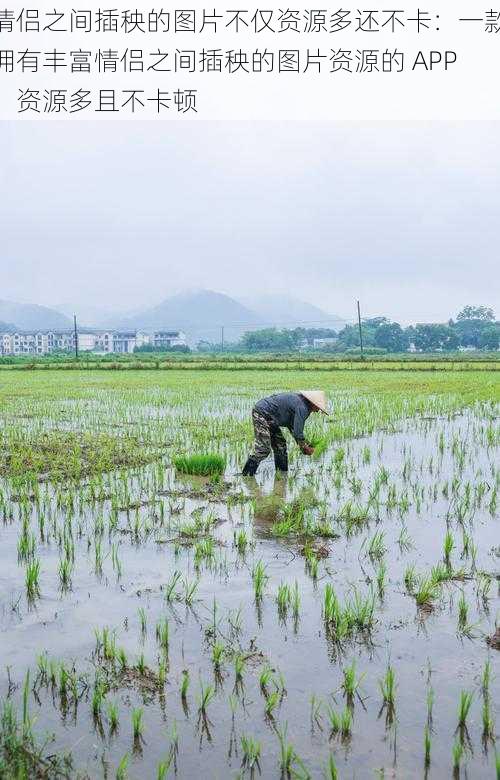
124	214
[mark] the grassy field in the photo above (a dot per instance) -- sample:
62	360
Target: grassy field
163	616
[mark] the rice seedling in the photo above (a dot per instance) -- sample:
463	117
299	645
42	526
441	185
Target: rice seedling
448	546
288	756
251	750
330	771
320	445
205	465
266	677
121	771
488	722
272	701
98	696
427	746
164	768
241	541
296	601
463	613
137	724
283	599
162	634
486	677
381	579
190	588
143	621
207	693
457	753
426	593
33	579
170	589
239	666
316	707
218	653
351	681
387	687
113	716
122	658
141	664
376	545
464	706
65	572
259	578
430	705
405	541
410	578
184	684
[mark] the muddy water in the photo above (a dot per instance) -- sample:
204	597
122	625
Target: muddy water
424	647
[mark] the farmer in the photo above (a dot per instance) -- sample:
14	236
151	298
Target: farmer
284	410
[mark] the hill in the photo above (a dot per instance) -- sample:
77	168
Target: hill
285	311
30	316
200	314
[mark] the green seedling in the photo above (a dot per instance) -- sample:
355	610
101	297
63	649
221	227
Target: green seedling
207	693
218	653
331	772
388	687
121	771
137	724
251	753
464	706
201	465
427	746
184	684
259	578
272	701
113	716
457	754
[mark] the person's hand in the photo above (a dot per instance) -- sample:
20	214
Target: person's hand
307	450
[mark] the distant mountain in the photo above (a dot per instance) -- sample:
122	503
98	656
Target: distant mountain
29	316
200	314
91	316
285	311
7	327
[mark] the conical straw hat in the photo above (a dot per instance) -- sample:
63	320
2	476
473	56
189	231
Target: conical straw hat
316	397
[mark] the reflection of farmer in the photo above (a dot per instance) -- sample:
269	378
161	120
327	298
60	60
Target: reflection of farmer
284	410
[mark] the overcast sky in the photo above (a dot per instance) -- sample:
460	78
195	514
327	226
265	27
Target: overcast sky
122	214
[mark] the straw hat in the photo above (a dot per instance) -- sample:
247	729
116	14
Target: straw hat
317	398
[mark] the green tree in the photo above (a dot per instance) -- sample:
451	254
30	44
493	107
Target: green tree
435	337
268	340
476	313
490	337
392	337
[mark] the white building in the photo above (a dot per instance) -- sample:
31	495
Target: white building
323	343
103	342
166	339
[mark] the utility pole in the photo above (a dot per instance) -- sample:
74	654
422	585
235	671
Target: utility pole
222	338
76	337
360	333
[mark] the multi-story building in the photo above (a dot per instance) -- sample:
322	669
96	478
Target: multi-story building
104	342
166	339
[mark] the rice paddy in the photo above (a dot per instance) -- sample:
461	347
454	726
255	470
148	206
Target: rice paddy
163	616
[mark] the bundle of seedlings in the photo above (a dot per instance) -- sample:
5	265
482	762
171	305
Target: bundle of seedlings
206	465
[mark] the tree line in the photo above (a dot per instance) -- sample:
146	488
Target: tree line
474	327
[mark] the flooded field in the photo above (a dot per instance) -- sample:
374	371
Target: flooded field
339	622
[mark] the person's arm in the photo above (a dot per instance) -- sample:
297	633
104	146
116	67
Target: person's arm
299	420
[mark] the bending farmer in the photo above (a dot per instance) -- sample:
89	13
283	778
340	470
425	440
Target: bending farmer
284	410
